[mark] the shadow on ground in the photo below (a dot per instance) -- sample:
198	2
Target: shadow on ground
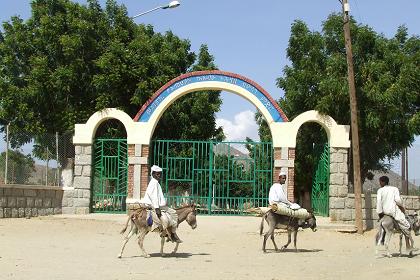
294	251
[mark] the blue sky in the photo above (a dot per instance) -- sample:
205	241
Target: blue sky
250	38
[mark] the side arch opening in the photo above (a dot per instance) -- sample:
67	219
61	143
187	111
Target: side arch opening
312	168
109	167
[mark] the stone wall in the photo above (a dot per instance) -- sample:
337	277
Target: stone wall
76	200
346	214
18	201
342	202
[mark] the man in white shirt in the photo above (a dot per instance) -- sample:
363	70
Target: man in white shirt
154	198
388	202
277	195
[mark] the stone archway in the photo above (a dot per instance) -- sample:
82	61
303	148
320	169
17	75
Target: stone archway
152	110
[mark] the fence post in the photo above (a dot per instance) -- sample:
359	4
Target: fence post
46	168
7	154
57	169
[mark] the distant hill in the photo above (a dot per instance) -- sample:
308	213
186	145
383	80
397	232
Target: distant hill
38	177
225	149
394	180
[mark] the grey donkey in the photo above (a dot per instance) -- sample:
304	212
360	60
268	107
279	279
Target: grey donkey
277	221
387	226
139	225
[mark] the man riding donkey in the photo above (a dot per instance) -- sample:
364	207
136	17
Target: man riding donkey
389	203
284	214
154	198
277	196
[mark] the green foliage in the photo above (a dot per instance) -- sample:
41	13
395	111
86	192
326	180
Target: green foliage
19	167
69	60
387	80
194	113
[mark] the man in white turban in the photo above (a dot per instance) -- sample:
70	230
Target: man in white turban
277	195
154	198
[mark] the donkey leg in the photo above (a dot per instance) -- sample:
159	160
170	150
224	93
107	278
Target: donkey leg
274	242
379	236
162	243
176	248
410	248
388	236
401	236
126	238
270	232
142	235
294	239
289	239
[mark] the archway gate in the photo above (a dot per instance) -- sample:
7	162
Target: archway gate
321	181
141	128
220	177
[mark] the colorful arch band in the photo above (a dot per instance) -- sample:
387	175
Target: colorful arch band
253	88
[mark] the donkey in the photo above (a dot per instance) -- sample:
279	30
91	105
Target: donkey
387	226
291	224
139	225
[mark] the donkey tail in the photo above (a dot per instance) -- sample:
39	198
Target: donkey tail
126	224
262	224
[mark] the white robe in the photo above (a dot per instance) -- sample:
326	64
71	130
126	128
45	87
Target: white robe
277	196
154	195
387	201
154	198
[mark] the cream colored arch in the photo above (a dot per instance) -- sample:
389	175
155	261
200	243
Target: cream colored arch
85	133
150	125
338	135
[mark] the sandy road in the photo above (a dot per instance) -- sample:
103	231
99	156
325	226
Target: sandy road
220	248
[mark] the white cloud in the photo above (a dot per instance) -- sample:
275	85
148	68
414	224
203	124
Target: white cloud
242	126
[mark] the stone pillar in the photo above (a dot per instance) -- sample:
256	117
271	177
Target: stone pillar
338	189
291	175
277	168
137	163
144	171
284	160
78	198
131	176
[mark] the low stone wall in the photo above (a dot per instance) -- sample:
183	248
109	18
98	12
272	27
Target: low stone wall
342	208
18	201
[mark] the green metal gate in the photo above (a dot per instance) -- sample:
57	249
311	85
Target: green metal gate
321	181
217	176
109	178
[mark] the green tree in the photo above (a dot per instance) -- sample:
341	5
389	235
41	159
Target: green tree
387	80
193	112
69	60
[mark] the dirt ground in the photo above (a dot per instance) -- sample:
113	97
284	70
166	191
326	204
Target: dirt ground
220	248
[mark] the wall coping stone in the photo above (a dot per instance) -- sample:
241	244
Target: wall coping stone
38	187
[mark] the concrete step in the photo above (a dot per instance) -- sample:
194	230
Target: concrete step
327	224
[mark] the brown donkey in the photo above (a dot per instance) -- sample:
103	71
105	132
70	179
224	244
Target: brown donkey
139	225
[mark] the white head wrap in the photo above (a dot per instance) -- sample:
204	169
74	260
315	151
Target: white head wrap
155	168
282	173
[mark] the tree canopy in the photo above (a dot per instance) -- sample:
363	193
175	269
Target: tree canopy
69	60
387	81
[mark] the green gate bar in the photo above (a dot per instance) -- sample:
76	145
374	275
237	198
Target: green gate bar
321	182
109	178
219	177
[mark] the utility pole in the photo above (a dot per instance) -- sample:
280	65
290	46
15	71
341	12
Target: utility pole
354	124
7	154
404	171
